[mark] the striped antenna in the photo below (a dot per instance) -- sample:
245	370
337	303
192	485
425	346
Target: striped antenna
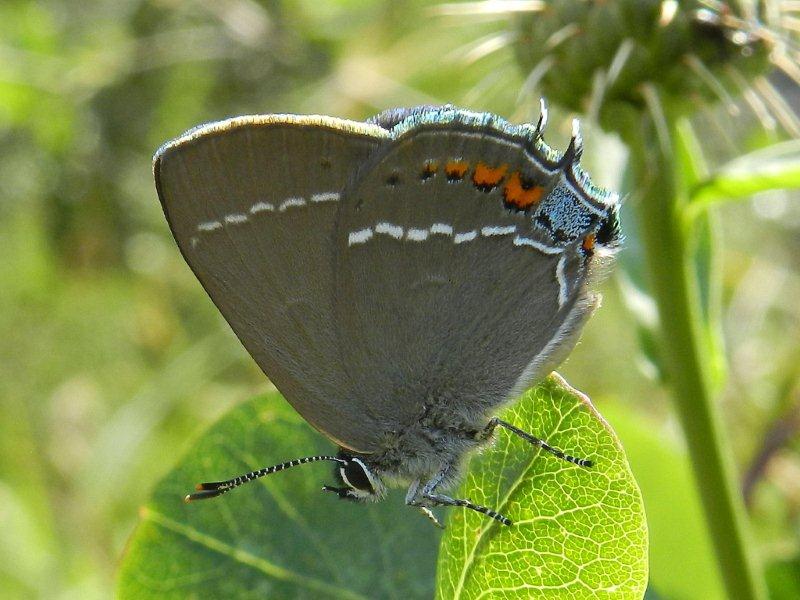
217	488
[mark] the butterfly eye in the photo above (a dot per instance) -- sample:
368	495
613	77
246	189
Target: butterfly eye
356	475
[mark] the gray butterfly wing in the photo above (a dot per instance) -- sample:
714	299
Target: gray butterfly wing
252	204
462	262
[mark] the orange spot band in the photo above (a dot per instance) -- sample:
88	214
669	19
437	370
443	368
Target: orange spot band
456	169
488	177
429	169
520	195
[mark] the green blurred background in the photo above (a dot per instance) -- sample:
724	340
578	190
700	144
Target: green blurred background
113	360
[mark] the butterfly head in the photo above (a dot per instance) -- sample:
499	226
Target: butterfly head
357	480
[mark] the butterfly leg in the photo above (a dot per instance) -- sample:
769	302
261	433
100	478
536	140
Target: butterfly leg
344	493
441	499
429	513
427	496
495	422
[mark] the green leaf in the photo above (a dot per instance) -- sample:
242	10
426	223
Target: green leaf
783	578
682	562
279	537
707	260
691	172
577	533
691	164
772	168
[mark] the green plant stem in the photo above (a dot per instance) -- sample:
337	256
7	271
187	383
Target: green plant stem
674	286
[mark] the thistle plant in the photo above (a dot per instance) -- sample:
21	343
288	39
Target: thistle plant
621	62
641	68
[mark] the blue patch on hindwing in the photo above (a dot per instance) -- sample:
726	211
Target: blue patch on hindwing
564	215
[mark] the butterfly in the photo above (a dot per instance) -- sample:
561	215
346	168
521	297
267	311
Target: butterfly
399	280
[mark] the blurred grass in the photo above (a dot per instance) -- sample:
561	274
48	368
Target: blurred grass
111	355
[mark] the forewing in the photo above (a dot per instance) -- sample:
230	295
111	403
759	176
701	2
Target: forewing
252	204
462	261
